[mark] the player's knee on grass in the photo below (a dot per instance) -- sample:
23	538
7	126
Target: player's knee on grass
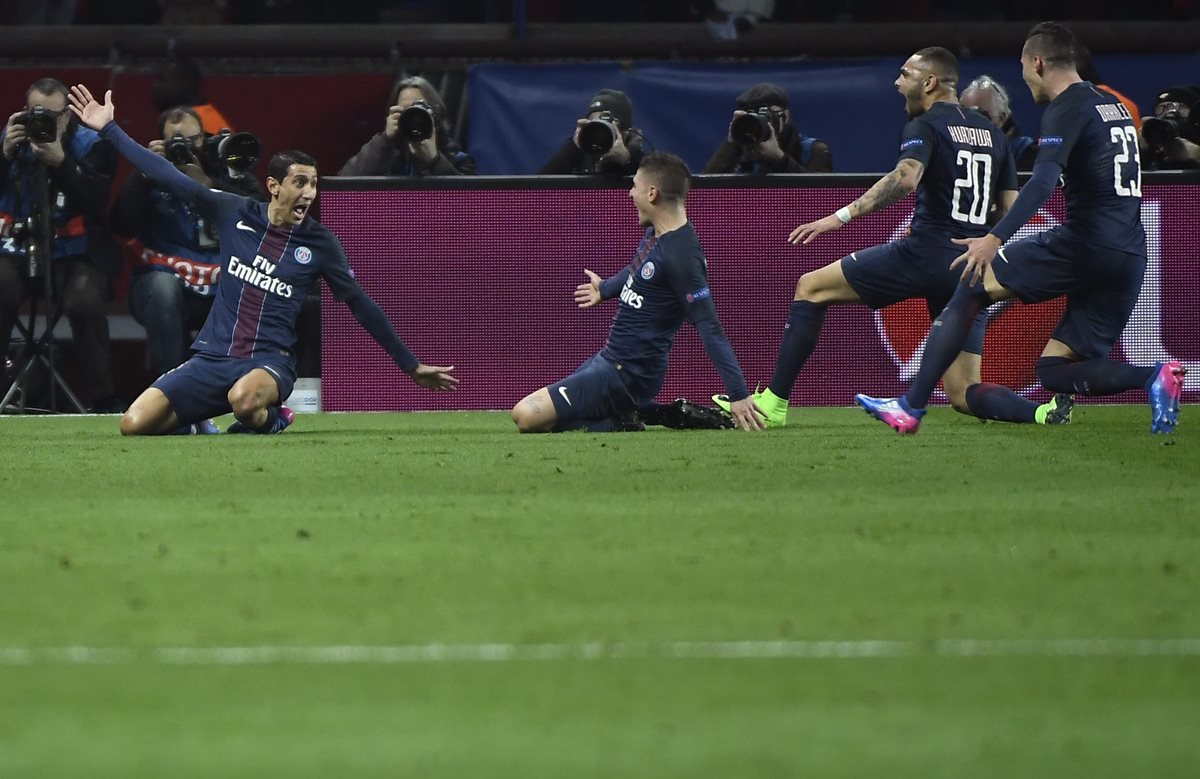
962	373
530	415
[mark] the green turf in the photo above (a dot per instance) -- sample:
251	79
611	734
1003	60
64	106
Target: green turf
411	529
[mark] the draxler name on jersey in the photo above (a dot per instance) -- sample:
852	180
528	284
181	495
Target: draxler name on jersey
259	274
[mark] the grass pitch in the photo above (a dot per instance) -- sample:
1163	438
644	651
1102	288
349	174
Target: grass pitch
650	604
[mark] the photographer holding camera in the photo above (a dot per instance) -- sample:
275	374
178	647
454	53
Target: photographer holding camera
762	138
415	140
44	142
605	140
178	260
1171	137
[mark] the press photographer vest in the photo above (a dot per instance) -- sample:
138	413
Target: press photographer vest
70	233
175	238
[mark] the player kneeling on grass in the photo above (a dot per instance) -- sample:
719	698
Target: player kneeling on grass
271	256
666	282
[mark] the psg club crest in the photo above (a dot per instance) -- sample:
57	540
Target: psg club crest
648	271
303	255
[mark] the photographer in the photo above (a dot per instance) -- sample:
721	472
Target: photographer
178	260
762	138
989	97
415	140
79	170
605	140
1171	137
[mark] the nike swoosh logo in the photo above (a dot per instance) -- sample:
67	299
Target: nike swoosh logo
243	226
563	391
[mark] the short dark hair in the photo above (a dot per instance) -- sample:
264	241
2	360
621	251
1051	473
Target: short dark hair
175	116
670	174
47	86
942	63
1054	43
278	167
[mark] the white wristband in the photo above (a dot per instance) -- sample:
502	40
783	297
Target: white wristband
843	214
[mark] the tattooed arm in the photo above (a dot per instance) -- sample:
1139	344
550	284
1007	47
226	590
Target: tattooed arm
892	188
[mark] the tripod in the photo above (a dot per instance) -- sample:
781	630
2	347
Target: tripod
39	349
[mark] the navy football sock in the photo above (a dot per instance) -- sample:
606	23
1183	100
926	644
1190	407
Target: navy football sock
1091	377
799	339
272	421
946	338
993	401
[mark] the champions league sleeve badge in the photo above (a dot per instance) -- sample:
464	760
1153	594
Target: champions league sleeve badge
303	255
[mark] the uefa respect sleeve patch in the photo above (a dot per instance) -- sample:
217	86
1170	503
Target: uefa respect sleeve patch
911	142
700	294
1050	140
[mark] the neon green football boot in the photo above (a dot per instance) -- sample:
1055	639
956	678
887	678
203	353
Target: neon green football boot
772	405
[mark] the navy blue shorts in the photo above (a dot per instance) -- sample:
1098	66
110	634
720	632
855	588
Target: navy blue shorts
1101	286
596	390
199	389
910	268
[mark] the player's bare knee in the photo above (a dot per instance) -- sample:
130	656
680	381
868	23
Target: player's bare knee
132	423
956	393
524	418
244	401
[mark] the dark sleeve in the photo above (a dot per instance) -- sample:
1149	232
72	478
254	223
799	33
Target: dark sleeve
88	181
724	159
821	159
1006	177
566	160
916	142
366	312
1035	192
131	210
1060	132
611	287
375	158
690	283
452	163
163	173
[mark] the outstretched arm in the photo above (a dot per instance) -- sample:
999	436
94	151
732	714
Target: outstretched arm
99	117
368	314
892	188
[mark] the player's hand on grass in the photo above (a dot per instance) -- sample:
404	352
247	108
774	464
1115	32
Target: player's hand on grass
806	232
91	113
588	294
747	415
977	257
435	377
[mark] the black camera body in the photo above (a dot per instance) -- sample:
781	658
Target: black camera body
598	135
417	122
179	150
238	151
754	127
1161	130
41	124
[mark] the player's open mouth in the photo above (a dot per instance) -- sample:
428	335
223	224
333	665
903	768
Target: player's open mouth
300	210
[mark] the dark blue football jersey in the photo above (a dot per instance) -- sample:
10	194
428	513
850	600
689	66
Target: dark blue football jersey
1091	135
666	283
967	162
266	271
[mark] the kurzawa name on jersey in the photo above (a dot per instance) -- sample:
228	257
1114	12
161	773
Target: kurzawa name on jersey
258	275
972	136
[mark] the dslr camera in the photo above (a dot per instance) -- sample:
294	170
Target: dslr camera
41	124
179	150
598	135
417	122
754	127
1161	129
237	151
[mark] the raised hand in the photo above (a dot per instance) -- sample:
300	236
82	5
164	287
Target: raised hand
91	113
435	377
